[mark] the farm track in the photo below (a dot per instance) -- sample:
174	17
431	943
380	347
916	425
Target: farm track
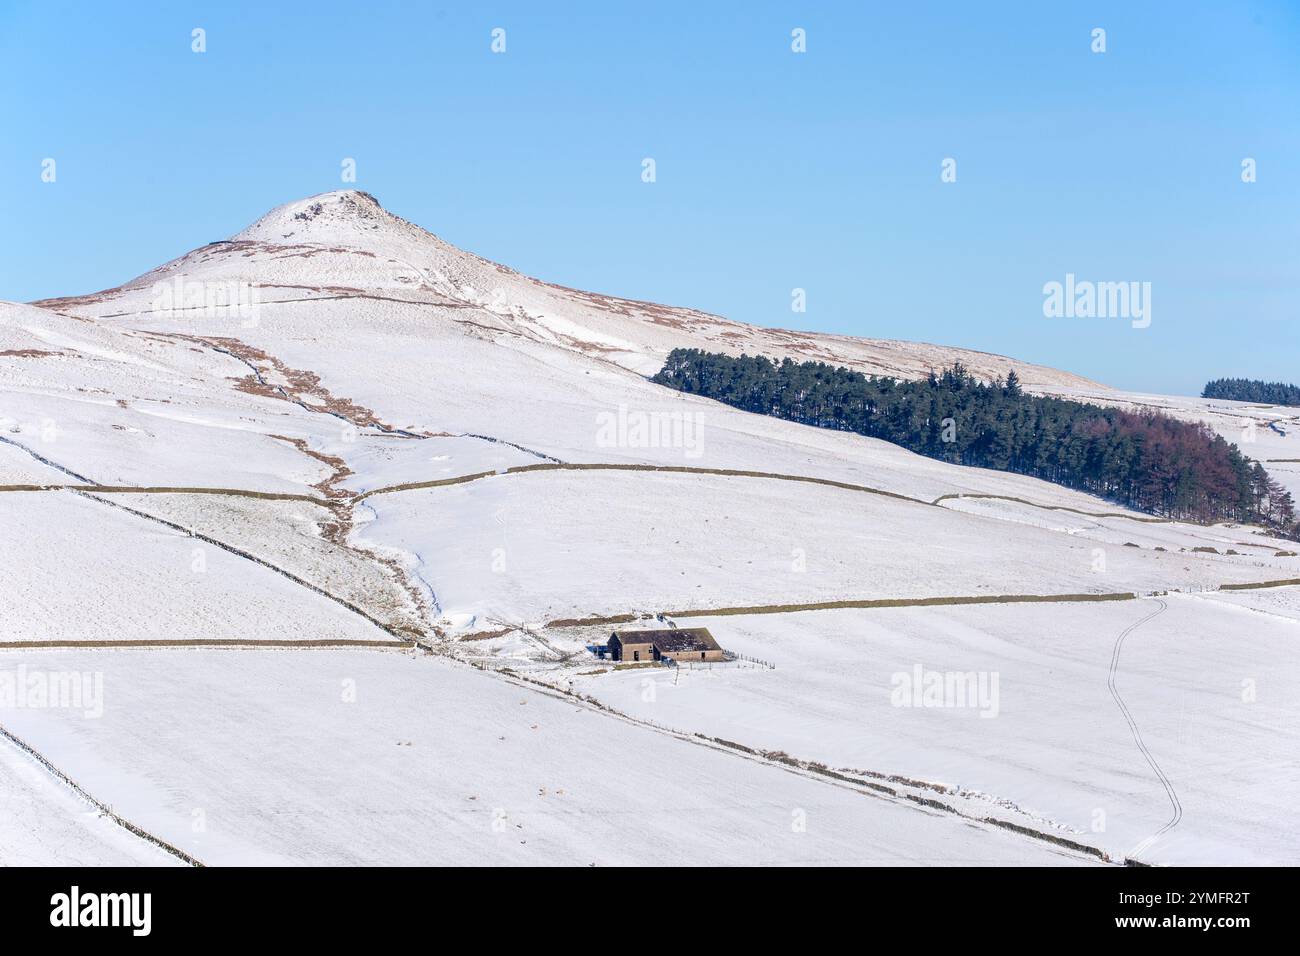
1176	806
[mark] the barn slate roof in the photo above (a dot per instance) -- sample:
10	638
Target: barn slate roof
671	640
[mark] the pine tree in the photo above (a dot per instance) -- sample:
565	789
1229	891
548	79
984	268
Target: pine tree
1143	460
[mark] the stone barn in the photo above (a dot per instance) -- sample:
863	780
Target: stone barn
682	644
629	646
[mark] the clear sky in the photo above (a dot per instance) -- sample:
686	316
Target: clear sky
775	170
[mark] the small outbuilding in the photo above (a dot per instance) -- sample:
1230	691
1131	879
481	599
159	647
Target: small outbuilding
630	646
681	644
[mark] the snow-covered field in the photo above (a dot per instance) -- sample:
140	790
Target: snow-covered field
88	571
534	547
371	757
1214	691
44	823
175	471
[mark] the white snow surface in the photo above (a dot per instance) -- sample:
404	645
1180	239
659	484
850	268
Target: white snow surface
1056	746
435	763
44	823
378	355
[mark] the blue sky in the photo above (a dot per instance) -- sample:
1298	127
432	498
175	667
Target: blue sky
775	170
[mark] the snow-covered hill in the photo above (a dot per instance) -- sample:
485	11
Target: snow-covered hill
345	243
334	445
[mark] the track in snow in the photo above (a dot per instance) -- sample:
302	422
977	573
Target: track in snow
1176	806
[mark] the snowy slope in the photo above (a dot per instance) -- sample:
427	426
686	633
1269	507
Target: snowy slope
1058	750
91	571
344	243
43	823
535	547
278	440
437	764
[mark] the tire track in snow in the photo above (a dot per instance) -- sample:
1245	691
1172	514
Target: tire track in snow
1175	805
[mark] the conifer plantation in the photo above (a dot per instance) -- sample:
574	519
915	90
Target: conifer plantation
1143	460
1251	390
